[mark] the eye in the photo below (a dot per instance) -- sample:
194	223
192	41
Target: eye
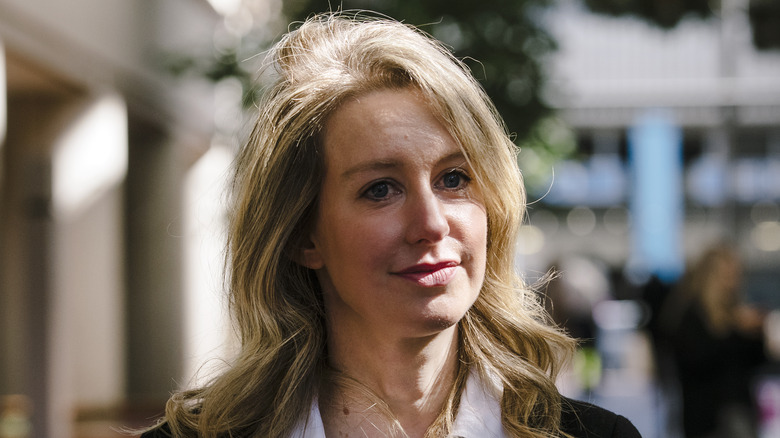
455	179
380	190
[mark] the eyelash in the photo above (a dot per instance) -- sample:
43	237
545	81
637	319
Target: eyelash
463	183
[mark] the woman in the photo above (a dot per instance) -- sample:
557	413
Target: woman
717	346
371	257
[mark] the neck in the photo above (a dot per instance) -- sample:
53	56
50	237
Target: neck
412	376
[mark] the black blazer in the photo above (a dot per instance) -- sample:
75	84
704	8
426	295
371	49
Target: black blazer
578	419
584	420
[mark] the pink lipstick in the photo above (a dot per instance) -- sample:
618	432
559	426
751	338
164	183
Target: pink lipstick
430	275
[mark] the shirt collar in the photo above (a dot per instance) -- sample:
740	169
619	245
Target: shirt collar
479	414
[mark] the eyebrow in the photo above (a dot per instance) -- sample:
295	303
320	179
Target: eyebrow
382	164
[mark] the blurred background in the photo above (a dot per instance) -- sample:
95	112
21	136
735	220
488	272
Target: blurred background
650	144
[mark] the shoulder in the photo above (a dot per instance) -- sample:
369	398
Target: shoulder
584	420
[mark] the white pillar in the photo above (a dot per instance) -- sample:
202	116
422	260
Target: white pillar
86	329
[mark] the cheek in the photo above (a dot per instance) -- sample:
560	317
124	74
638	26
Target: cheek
475	223
474	238
352	241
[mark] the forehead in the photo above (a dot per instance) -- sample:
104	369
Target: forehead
386	125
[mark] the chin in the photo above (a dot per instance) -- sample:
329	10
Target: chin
441	324
443	313
436	323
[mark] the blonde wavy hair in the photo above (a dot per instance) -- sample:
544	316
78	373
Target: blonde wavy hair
276	302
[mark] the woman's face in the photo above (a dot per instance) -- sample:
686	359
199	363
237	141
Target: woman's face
399	243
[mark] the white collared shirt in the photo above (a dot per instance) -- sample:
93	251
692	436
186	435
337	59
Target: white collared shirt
479	414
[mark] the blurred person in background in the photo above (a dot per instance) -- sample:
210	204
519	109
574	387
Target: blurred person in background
371	258
717	346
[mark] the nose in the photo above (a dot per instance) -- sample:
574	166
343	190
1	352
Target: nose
427	220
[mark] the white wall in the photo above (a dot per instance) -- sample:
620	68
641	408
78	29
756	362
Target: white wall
96	67
609	63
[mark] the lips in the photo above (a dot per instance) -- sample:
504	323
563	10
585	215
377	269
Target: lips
430	275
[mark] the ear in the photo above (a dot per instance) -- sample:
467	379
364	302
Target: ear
308	255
